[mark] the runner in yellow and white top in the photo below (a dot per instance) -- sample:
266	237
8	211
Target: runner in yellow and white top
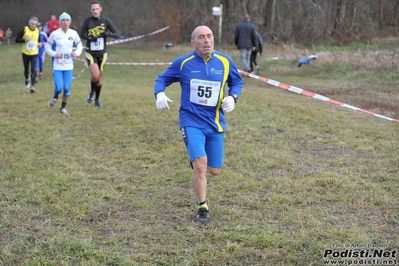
29	37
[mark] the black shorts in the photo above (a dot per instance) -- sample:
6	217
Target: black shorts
100	61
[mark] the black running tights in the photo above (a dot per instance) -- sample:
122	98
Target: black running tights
26	59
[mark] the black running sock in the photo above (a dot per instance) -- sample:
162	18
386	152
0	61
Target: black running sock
98	91
63	105
93	86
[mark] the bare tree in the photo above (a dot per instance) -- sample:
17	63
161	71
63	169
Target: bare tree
306	21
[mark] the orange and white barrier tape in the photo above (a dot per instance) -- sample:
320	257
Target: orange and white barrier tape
83	69
275	83
137	37
313	95
121	64
123	41
138	64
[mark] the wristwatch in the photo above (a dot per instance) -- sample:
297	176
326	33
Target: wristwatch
235	97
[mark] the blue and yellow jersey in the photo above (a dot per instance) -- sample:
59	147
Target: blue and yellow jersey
203	87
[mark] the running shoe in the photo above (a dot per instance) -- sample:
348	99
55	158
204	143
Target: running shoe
52	102
27	85
63	111
32	89
98	104
203	215
90	97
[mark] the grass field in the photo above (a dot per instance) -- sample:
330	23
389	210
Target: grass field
111	186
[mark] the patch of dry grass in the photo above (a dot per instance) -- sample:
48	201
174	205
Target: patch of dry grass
111	186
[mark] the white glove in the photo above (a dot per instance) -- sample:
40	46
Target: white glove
162	101
228	104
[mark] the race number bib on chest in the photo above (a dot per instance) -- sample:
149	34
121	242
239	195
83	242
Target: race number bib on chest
97	45
31	46
204	92
66	57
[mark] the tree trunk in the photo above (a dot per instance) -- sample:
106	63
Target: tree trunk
339	14
329	10
273	15
395	12
381	16
279	20
244	6
353	17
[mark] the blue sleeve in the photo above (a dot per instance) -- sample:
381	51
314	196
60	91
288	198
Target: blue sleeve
171	75
43	38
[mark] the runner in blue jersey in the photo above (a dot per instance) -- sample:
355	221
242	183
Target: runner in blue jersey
204	76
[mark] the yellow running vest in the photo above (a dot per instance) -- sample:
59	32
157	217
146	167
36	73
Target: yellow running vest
31	47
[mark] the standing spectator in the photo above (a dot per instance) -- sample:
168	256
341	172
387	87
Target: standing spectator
274	38
245	40
2	33
95	30
41	54
65	41
259	49
53	24
29	36
203	75
8	35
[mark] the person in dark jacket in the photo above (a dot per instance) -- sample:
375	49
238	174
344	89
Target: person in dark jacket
259	49
245	40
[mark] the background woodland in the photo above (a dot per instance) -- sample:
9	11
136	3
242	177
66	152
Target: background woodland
305	22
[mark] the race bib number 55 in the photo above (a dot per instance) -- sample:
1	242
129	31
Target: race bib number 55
204	92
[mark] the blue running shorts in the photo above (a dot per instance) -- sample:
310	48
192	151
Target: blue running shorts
204	142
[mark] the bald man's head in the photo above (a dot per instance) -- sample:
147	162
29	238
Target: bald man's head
202	40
